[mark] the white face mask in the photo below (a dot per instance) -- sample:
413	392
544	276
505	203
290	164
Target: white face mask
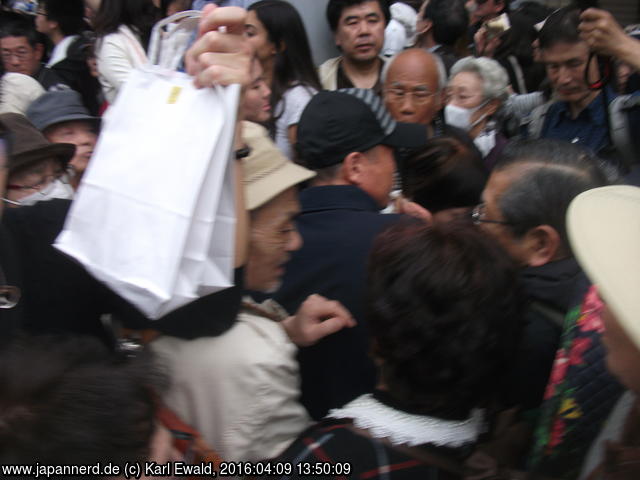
461	117
57	189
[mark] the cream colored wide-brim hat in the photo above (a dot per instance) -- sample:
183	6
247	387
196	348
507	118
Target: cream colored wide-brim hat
267	172
604	231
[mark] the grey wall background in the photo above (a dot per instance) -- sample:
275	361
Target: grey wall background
320	36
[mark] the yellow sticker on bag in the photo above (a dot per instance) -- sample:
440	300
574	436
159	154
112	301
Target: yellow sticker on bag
173	96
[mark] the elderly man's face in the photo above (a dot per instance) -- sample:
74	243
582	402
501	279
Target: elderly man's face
360	31
376	178
273	236
490	214
411	90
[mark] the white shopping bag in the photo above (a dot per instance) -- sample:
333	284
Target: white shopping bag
154	216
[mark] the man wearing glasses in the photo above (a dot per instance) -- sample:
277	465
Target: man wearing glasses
22	52
523	207
413	87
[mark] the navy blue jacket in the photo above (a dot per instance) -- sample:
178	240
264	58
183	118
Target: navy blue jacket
338	225
589	128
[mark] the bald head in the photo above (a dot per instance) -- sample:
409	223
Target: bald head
412	88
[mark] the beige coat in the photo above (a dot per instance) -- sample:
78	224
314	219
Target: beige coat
240	389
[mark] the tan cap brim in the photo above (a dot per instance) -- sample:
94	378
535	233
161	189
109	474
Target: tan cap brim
284	176
267	172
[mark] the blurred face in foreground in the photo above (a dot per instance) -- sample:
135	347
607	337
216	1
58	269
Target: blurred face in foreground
273	237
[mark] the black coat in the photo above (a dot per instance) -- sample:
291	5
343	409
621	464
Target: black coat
338	225
60	296
552	290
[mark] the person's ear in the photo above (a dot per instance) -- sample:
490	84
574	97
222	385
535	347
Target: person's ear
425	26
354	168
542	245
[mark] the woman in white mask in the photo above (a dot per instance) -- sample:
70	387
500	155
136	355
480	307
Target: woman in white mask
477	89
38	169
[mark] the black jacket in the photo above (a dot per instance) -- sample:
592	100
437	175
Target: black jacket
552	290
338	225
60	296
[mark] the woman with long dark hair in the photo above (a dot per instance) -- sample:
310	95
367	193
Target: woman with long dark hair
123	28
276	30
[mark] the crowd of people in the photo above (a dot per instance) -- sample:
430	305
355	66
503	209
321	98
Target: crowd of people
436	247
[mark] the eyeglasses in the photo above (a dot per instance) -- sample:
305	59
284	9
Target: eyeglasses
45	184
20	54
418	95
477	215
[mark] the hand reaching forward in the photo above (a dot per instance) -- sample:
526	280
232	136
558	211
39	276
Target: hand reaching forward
316	318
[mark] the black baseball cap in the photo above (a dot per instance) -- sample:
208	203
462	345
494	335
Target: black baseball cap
336	123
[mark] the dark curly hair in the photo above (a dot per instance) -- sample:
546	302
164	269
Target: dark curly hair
444	310
70	401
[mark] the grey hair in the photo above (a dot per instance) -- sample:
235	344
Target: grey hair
442	71
495	79
555	173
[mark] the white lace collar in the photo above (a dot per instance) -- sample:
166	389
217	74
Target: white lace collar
402	428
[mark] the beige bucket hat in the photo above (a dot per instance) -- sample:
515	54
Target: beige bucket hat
267	172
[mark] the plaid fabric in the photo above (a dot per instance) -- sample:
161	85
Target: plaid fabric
187	440
333	442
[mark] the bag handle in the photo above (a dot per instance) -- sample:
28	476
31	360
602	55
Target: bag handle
167	47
